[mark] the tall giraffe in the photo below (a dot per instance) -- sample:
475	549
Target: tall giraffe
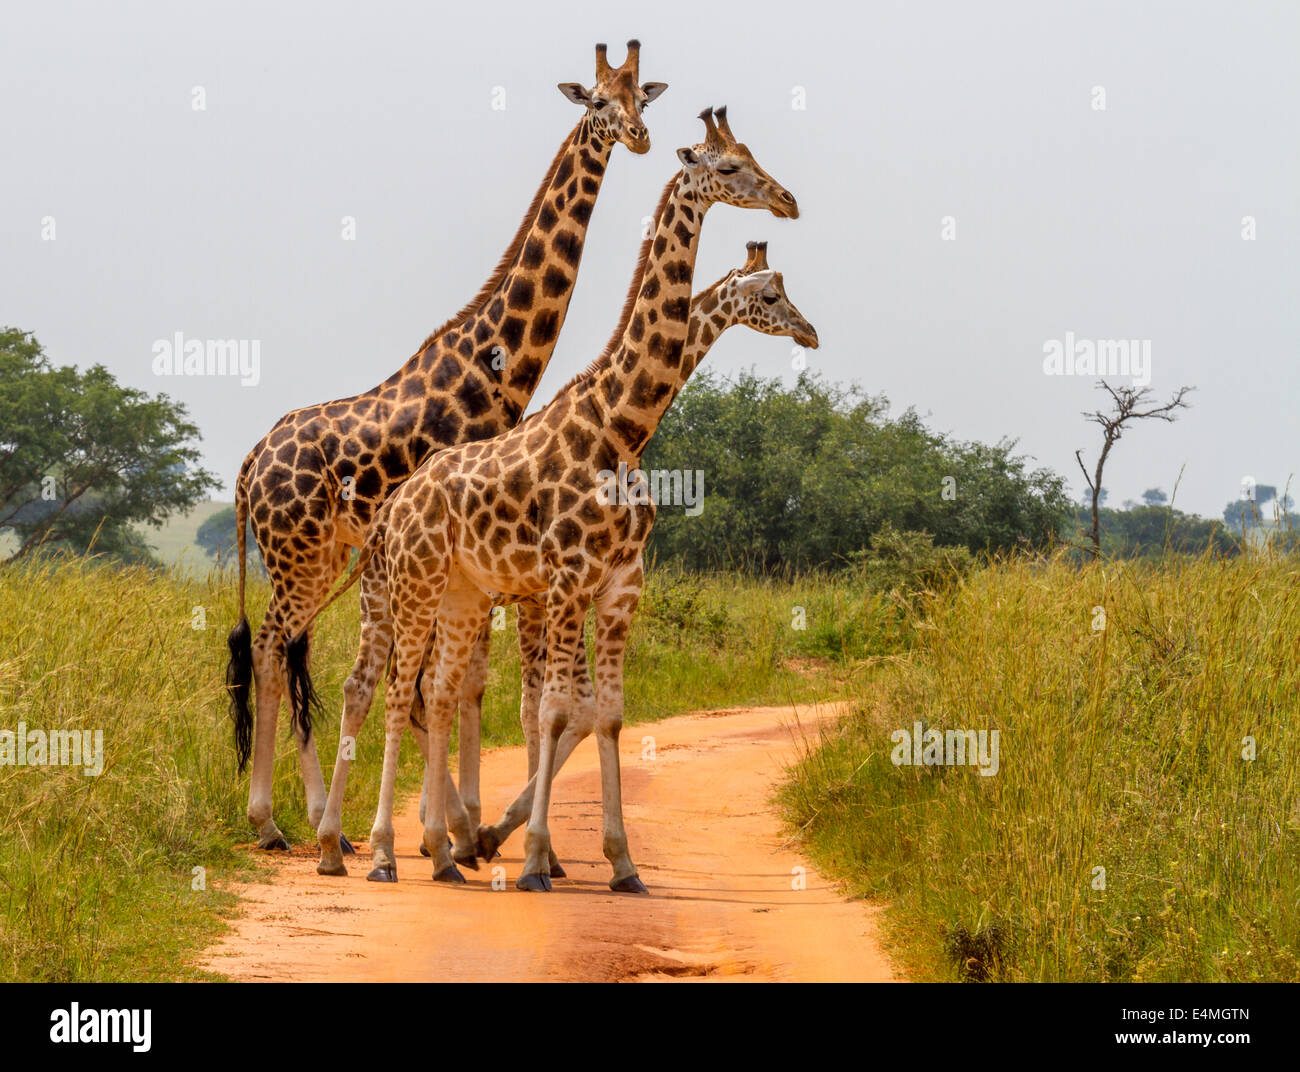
752	295
525	513
313	483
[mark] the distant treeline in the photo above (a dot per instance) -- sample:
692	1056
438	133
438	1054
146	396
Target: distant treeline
803	476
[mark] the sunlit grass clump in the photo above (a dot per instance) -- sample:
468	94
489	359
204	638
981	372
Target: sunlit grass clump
1129	700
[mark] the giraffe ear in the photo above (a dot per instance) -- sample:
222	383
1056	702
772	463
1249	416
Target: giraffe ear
755	281
652	90
689	157
575	93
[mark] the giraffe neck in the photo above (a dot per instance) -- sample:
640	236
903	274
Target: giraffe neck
637	383
713	311
507	334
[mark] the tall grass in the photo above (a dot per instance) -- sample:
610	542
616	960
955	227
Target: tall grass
97	874
1121	749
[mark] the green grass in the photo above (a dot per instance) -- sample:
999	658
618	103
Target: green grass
1121	749
96	873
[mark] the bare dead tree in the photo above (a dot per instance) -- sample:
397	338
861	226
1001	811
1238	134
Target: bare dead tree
1130	404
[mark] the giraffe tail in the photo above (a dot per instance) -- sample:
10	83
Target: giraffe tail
239	670
303	698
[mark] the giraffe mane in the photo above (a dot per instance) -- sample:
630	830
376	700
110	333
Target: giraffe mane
633	291
512	251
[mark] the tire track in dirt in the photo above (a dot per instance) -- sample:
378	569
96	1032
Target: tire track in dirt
704	836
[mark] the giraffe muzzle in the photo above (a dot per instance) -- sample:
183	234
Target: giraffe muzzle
637	140
806	336
785	206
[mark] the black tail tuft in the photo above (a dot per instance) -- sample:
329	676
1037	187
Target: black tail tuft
302	695
239	680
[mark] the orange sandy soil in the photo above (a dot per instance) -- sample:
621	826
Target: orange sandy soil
703	833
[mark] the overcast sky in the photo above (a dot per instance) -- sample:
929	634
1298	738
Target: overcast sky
1117	223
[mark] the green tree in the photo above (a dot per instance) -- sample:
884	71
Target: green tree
1146	531
83	458
1248	512
217	538
803	476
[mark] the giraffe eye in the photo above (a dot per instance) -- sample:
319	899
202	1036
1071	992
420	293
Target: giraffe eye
769	299
727	170
599	102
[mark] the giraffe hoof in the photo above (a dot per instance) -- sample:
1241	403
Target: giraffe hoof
487	844
423	850
470	861
558	872
383	874
534	883
331	869
449	874
346	846
276	844
631	884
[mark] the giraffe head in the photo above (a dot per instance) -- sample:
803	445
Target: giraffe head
758	298
614	104
724	170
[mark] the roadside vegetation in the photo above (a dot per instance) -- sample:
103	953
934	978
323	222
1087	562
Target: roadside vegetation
1144	822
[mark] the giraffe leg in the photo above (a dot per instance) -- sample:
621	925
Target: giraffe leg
414	598
532	662
472	688
457	816
615	605
358	691
532	628
419	732
280	666
268	679
460	620
564	620
406	661
463	808
312	779
322	573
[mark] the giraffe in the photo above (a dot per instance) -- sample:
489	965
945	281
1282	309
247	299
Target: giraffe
751	295
526	513
313	484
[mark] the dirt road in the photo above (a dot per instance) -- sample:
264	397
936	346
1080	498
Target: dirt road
723	900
